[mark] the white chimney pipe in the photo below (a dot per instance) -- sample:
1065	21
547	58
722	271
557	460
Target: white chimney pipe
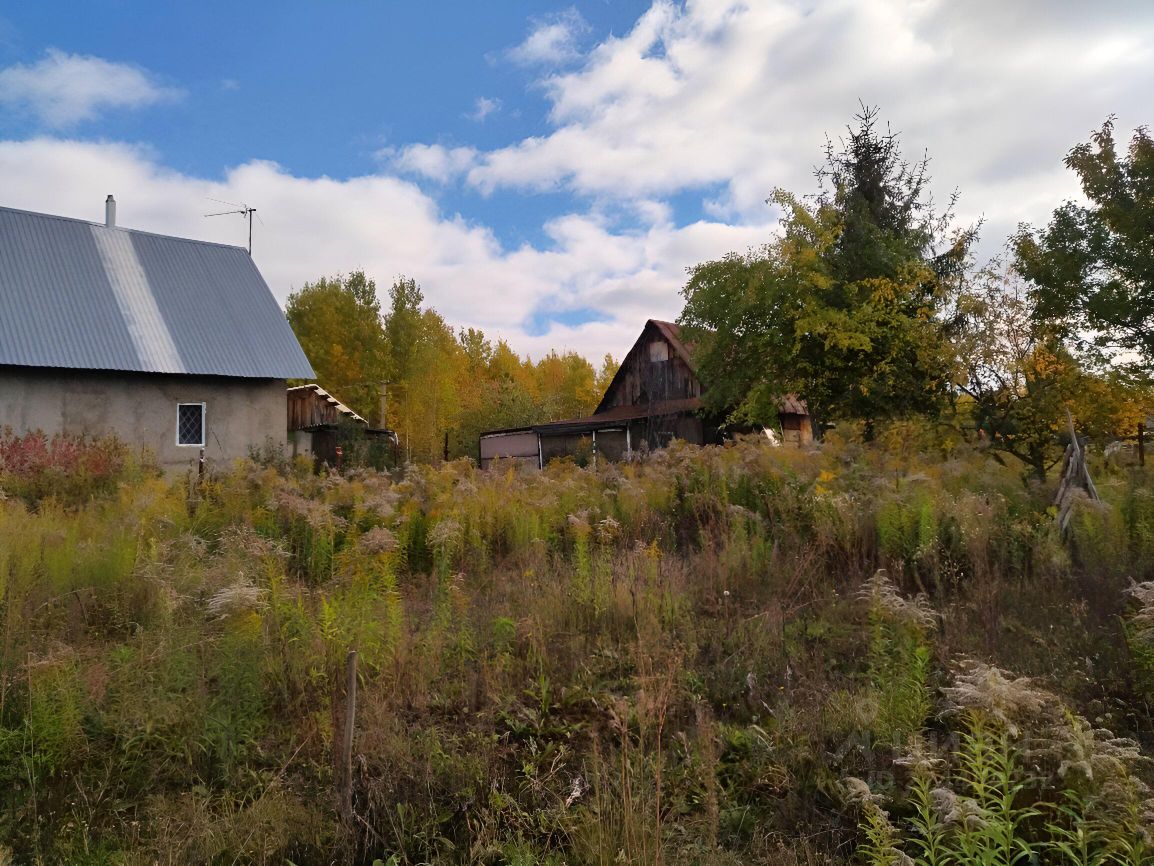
110	211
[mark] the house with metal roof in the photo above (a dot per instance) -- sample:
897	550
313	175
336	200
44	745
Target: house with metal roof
173	345
654	397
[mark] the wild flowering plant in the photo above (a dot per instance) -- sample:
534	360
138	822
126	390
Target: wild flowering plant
311	528
183	665
880	847
899	657
1028	781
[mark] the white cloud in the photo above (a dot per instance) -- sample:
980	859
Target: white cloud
311	227
732	98
553	41
735	97
717	98
64	89
433	161
483	107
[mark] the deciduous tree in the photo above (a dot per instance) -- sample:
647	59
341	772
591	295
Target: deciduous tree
1021	380
605	375
338	323
566	386
403	325
1093	265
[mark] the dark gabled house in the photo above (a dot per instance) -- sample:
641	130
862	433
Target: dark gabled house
172	345
654	397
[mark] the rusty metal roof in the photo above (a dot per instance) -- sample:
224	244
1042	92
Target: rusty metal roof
81	295
620	416
791	404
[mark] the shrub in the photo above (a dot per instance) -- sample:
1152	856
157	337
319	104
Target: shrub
71	469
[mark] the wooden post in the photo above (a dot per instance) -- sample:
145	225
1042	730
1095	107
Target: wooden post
446	446
1141	444
350	727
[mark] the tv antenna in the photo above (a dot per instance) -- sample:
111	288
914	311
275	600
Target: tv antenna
243	209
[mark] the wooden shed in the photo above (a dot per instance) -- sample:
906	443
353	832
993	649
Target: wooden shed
654	397
319	424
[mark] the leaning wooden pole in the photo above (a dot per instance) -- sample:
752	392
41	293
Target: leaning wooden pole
1075	476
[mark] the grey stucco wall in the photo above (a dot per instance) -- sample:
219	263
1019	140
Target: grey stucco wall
140	408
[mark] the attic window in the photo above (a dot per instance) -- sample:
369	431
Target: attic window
658	351
190	424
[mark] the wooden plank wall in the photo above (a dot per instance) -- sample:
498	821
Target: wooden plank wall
309	409
645	380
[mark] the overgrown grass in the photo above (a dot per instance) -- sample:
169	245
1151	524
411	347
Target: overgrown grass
678	661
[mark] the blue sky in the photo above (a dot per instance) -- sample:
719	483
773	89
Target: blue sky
318	87
546	171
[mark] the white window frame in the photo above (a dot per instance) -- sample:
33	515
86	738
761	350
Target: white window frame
203	424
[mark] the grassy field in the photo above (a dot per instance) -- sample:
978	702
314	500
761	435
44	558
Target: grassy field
876	653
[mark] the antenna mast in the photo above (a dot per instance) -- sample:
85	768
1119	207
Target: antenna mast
244	210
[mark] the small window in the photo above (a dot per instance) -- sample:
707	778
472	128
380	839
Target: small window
658	352
190	424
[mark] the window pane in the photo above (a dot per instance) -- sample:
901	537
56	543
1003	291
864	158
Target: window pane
190	424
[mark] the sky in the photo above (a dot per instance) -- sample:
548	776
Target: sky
546	171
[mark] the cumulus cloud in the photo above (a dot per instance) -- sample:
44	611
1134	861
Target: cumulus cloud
739	95
720	99
62	89
317	226
433	161
553	41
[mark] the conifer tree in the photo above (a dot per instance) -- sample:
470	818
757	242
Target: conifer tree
842	307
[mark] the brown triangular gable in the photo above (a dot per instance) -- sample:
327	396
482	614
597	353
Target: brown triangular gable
791	404
672	334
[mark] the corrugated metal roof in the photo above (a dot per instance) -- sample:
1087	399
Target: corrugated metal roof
83	295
